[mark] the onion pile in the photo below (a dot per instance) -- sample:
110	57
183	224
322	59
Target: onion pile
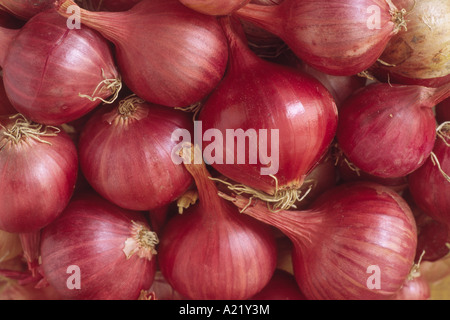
247	150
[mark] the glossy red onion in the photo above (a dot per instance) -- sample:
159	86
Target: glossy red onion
53	74
420	52
211	251
356	241
389	130
430	184
110	249
215	7
26	9
336	37
415	289
167	53
126	154
282	286
39	165
290	114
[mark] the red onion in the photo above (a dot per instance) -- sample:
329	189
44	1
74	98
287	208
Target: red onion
334	36
52	54
98	251
430	184
421	52
133	140
291	113
211	251
414	289
389	130
282	286
26	9
39	165
168	54
356	241
215	7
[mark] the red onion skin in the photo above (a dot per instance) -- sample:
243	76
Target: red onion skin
168	54
415	289
91	234
215	7
282	286
128	160
388	130
429	188
345	231
208	252
26	9
257	94
51	54
38	180
333	48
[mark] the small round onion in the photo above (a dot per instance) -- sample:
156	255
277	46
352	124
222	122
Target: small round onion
125	154
98	251
40	166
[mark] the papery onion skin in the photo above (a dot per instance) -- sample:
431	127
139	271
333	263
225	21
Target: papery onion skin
168	54
345	236
256	94
420	52
387	130
429	187
91	234
40	67
215	7
38	179
127	158
333	36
